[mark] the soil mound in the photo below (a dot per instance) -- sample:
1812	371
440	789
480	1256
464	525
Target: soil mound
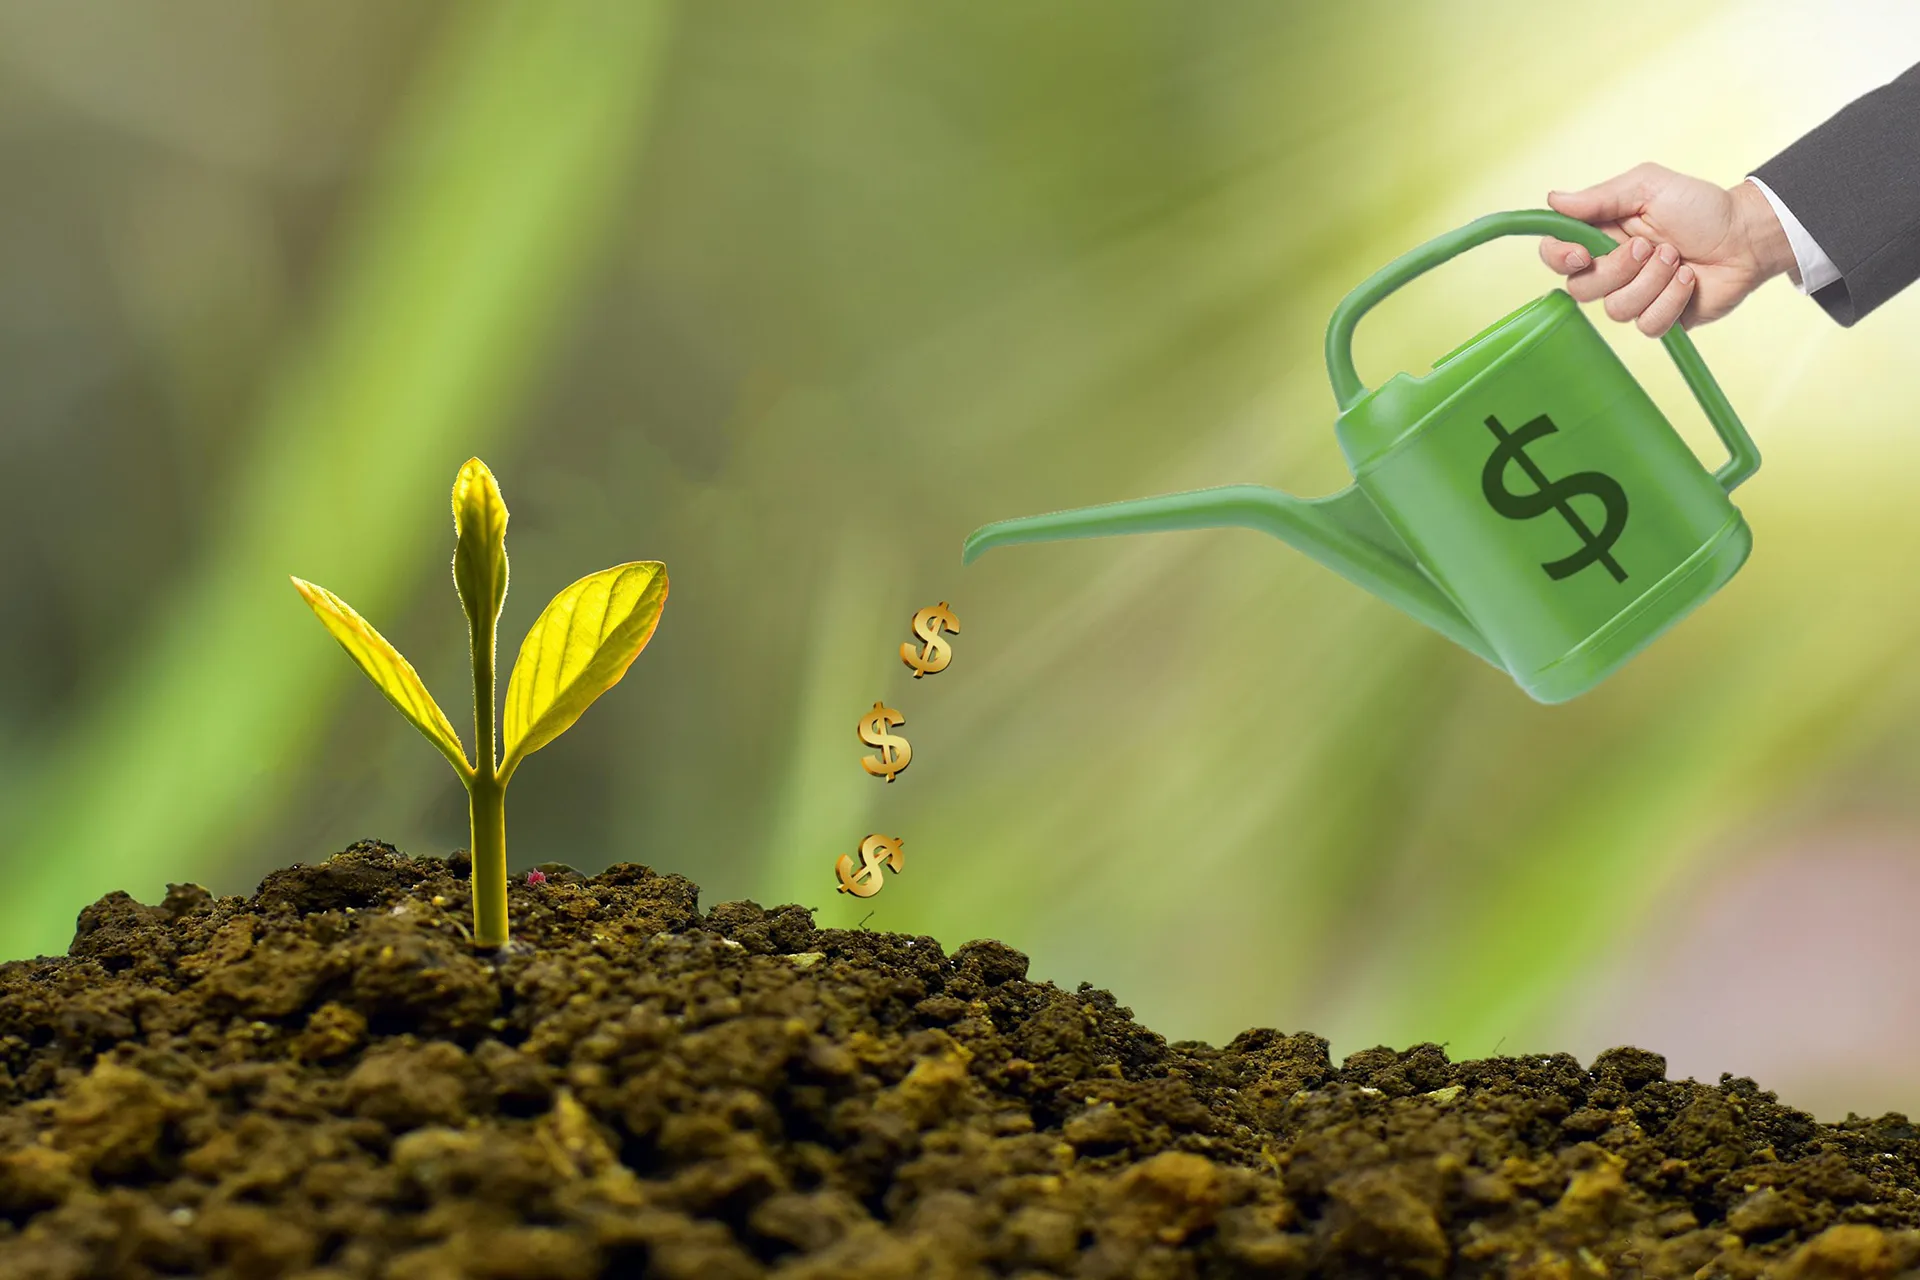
327	1081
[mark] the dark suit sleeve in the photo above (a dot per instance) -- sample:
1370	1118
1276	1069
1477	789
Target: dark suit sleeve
1854	183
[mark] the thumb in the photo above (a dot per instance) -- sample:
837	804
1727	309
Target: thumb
1609	201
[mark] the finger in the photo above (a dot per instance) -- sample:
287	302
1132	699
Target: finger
1616	198
1664	310
1635	296
1638	226
1564	256
1611	272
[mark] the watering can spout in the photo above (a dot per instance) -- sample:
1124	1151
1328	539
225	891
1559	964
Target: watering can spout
1343	531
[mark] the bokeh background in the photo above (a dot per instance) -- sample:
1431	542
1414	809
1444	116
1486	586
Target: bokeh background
792	296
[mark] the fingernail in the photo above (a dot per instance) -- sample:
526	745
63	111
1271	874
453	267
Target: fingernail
1684	275
1669	254
1641	249
1576	261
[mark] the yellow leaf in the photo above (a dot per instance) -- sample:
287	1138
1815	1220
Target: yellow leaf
384	666
480	547
582	644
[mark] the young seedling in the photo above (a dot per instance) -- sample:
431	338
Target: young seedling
582	643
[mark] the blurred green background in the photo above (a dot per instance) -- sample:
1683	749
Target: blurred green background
792	296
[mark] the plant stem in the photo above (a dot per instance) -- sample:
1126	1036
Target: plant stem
487	814
486	794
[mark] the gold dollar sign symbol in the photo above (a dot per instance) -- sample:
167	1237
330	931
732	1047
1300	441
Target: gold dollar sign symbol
927	624
875	852
895	754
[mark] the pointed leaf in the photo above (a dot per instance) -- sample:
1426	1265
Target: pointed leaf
480	544
384	666
582	644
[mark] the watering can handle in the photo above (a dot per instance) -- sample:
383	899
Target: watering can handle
1743	458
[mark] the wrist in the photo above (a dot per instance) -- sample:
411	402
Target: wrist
1760	231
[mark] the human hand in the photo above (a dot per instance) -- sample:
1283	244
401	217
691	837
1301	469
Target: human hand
1690	251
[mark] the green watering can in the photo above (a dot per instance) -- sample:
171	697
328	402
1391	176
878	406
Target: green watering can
1526	498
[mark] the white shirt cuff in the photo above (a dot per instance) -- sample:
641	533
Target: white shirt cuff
1816	268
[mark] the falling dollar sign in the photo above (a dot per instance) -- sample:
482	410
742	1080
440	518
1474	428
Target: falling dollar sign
1555	495
876	852
895	754
927	624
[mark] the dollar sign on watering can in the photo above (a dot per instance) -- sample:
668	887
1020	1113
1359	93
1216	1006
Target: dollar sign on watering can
1553	496
1525	497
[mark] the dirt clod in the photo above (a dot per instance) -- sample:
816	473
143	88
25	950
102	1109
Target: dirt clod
328	1081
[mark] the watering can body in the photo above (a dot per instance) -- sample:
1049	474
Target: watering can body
1525	497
